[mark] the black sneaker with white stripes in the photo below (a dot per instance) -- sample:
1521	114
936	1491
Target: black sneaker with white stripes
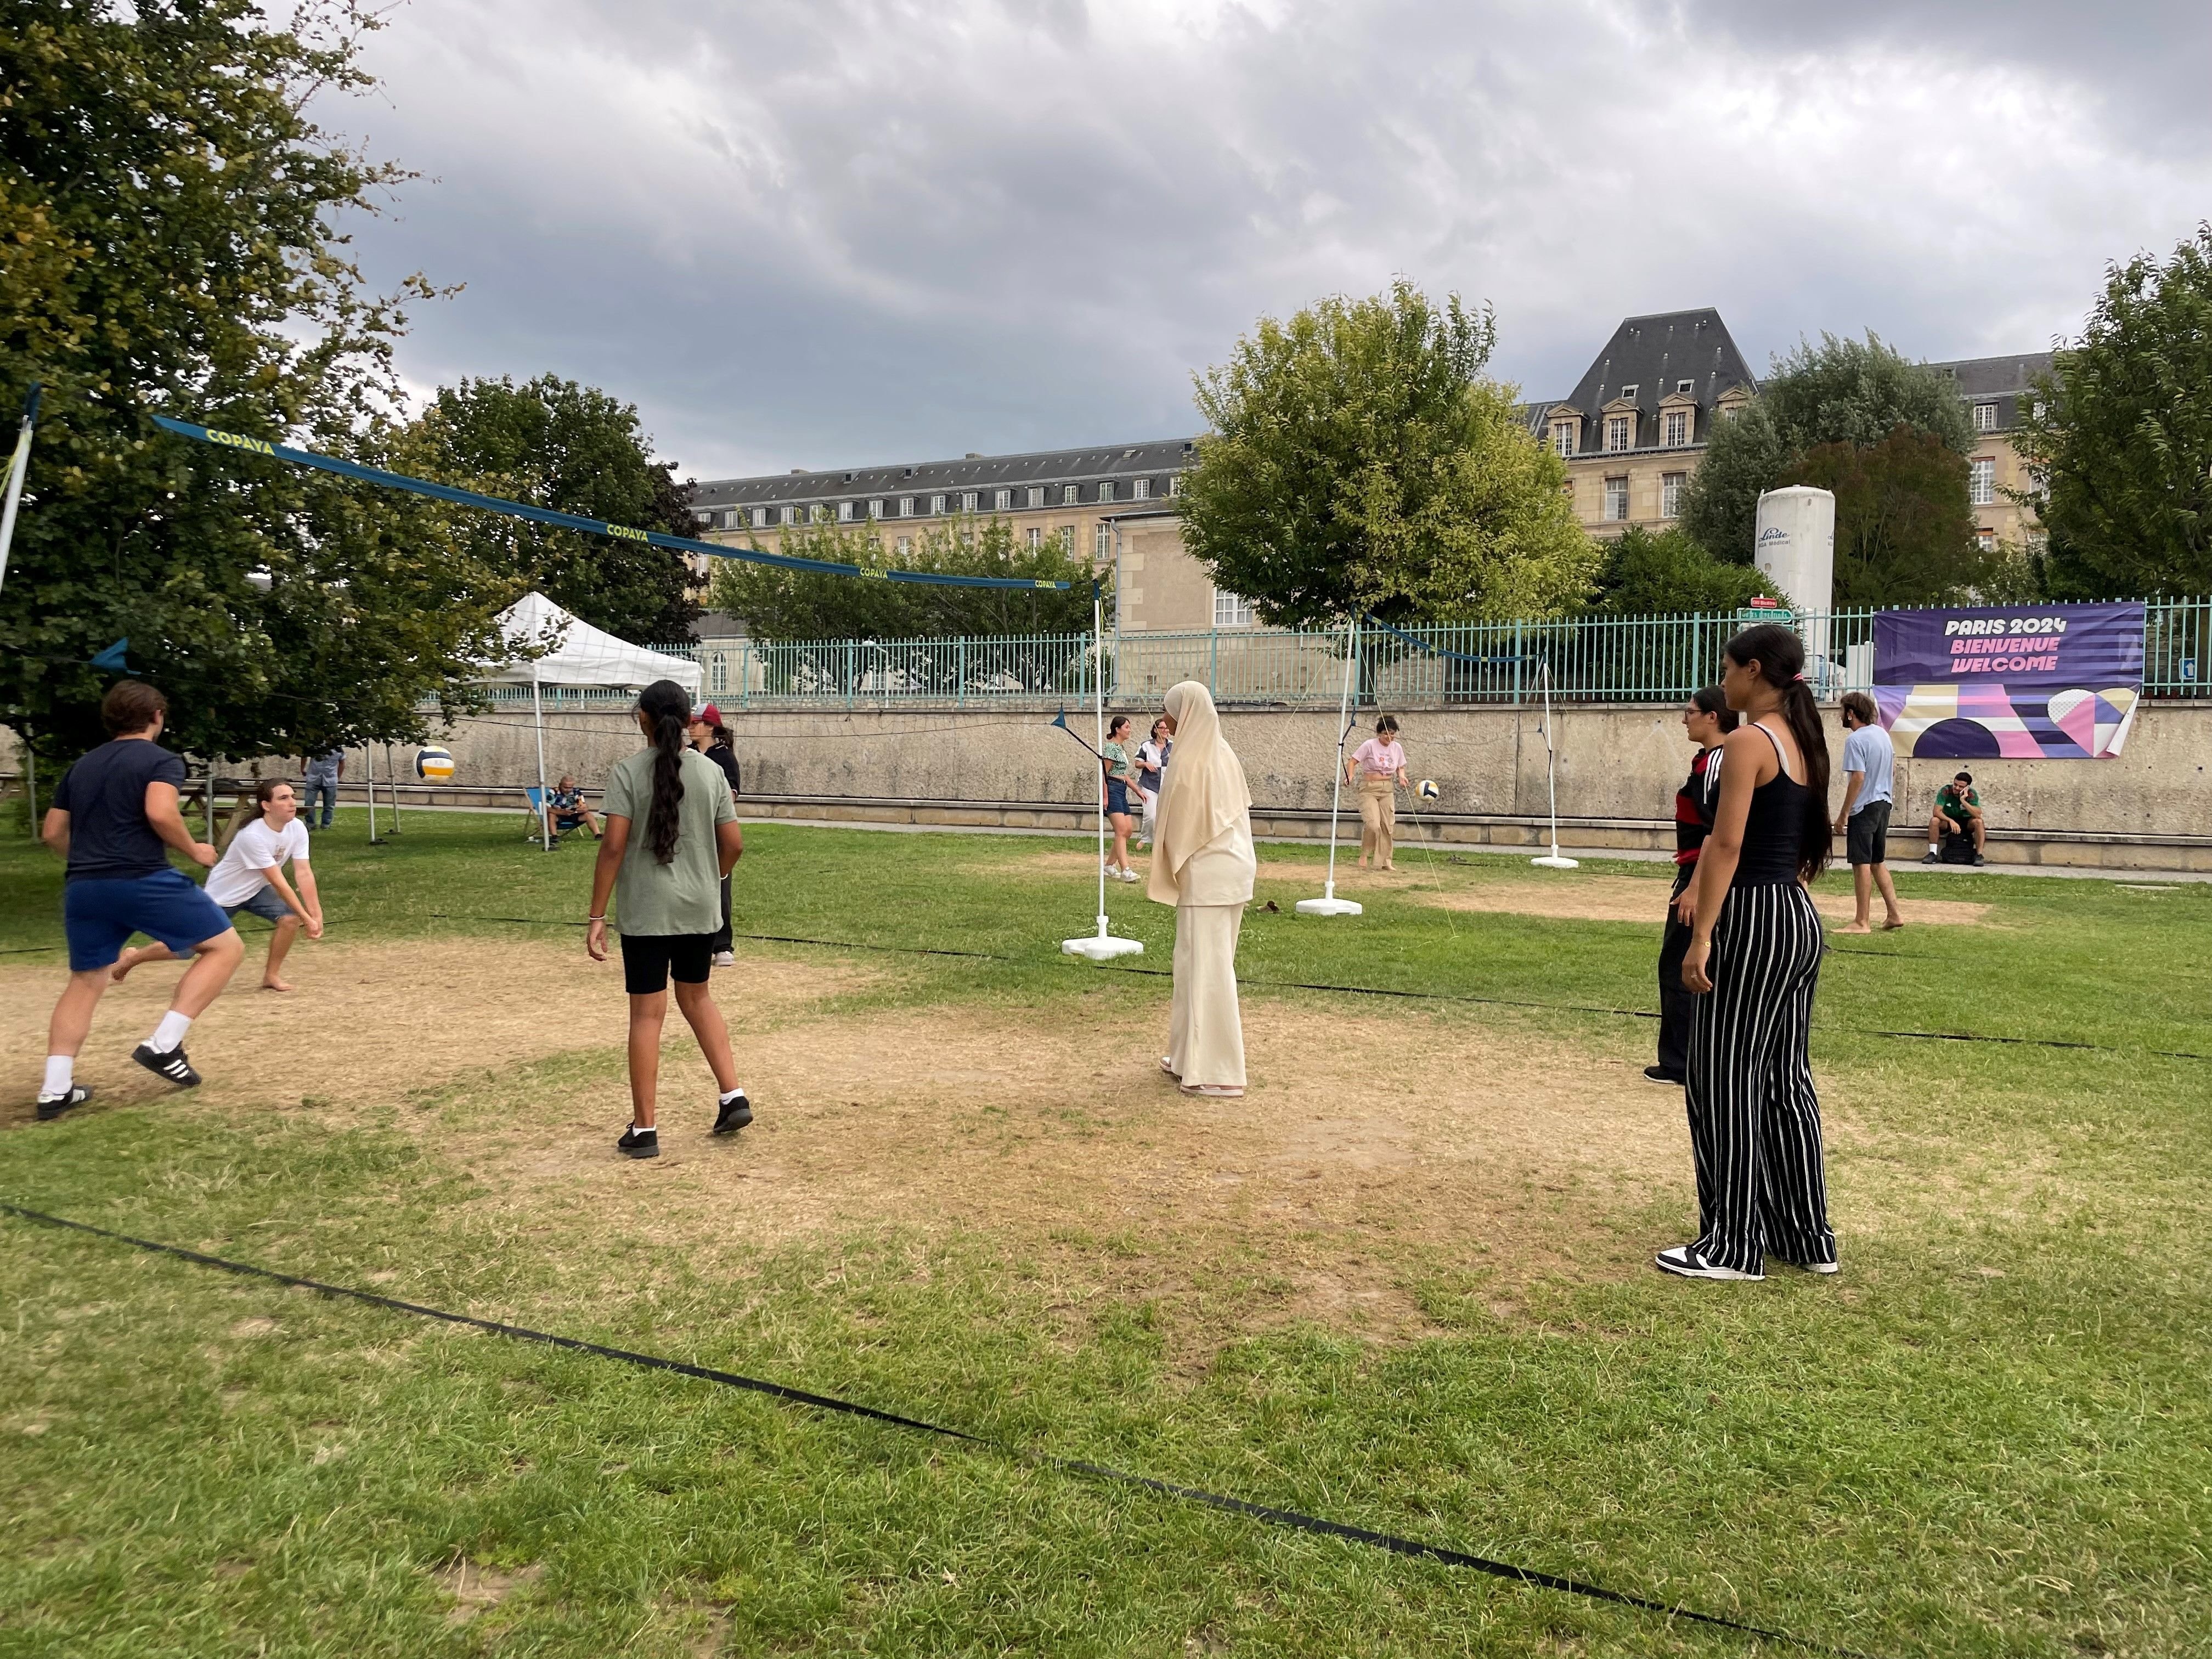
1685	1259
737	1112
52	1106
639	1143
173	1066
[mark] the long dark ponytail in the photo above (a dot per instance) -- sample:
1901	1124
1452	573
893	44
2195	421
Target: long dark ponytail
665	705
1780	655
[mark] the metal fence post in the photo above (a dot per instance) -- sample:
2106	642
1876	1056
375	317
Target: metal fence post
1519	656
960	675
1213	662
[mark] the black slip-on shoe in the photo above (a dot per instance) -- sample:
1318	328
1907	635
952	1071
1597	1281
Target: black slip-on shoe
734	1116
171	1065
1685	1259
1661	1074
639	1143
52	1106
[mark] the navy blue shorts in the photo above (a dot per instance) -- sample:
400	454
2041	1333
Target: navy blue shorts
1117	798
99	916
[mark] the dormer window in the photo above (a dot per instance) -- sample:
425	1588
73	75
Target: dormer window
844	513
906	507
1037	495
1620	431
1563	437
1002	501
1686	387
1106	491
1629	392
936	503
1070	495
968	498
1142	490
1675	429
1985	417
875	509
760	518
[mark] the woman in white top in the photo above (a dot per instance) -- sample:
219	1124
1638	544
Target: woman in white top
250	876
1380	764
1203	864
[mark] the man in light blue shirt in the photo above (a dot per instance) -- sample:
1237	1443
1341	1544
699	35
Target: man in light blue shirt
1869	763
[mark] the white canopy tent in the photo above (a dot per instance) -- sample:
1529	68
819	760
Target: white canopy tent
551	648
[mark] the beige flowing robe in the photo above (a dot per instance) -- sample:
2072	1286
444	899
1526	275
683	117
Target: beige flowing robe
1203	864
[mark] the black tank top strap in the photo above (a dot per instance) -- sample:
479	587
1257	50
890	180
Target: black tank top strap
1774	826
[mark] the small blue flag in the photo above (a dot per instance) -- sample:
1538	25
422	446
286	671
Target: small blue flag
113	657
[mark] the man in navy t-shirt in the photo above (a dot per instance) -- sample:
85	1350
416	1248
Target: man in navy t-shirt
114	818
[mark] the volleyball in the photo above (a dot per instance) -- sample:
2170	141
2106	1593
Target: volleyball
1427	790
434	765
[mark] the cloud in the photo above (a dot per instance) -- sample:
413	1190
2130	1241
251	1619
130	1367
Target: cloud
834	232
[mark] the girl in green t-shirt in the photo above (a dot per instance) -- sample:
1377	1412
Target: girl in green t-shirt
1120	778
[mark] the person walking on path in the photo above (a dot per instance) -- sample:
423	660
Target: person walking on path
1151	761
321	776
1120	778
671	831
711	738
250	876
1753	963
1380	764
1203	864
1707	719
1869	764
112	818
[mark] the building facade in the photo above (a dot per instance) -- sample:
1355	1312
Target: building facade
1632	433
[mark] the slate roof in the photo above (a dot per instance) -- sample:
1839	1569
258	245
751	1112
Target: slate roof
1087	468
1991	377
1655	354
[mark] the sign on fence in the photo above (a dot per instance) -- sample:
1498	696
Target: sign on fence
2054	681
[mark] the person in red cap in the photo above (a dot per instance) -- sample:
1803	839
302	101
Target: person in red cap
711	738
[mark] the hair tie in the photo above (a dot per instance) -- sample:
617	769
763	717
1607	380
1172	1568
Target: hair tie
1798	677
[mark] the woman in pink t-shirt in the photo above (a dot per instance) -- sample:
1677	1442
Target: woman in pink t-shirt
1378	767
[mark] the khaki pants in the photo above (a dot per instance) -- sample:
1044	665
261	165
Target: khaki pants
1378	817
1205	1030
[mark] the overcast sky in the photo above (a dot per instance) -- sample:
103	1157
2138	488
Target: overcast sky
827	233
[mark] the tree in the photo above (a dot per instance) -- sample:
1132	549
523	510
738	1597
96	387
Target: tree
1648	572
2121	433
1356	461
167	210
1905	533
550	442
787	604
1840	392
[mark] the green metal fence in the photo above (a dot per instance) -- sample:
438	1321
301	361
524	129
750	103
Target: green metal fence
1585	659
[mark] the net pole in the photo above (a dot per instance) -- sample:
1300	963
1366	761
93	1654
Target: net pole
1343	730
368	765
538	719
18	465
391	776
1098	708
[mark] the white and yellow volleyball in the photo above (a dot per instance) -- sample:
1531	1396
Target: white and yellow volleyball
434	765
1427	790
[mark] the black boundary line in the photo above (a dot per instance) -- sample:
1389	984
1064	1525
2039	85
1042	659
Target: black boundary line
1416	996
1293	1519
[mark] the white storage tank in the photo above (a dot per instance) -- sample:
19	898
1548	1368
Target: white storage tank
1795	547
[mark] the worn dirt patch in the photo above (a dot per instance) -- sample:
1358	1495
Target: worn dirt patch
372	1023
474	1589
1626	898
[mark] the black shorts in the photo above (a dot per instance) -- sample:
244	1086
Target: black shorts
649	959
1867	835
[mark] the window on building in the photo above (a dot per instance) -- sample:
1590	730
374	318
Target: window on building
760	518
1677	433
1070	495
1101	544
1618	431
1106	490
1003	501
844	513
702	518
1670	494
1686	387
1629	392
1174	485
2039	409
1037	495
905	545
1563	437
1986	540
936	503
875	509
1142	490
1231	610
906	507
967	499
1616	500
1981	481
1037	537
718	673
791	514
1066	534
1985	417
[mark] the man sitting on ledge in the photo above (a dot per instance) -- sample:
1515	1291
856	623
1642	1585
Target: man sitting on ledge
1958	813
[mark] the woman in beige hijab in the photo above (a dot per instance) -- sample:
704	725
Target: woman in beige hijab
1202	864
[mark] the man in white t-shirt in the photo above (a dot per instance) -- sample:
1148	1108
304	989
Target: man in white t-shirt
1869	765
250	876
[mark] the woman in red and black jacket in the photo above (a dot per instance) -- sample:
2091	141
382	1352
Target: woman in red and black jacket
1707	721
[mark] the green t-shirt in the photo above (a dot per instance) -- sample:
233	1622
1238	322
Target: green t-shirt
1952	802
683	895
1117	762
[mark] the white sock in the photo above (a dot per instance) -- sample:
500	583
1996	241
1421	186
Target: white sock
170	1033
726	1099
61	1072
637	1129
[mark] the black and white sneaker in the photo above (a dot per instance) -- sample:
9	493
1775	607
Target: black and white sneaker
1661	1074
1979	860
735	1112
173	1066
639	1143
1685	1259
1931	856
1815	1267
52	1106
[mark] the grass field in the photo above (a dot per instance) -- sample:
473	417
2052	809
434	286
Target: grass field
1404	1284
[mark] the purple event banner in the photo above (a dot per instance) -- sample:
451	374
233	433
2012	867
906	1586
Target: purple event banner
2049	682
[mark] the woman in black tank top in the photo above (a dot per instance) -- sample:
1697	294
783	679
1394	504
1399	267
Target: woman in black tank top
1754	963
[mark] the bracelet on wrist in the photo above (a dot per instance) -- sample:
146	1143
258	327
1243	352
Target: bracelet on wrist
594	918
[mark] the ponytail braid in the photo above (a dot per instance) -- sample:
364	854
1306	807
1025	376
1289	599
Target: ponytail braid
665	705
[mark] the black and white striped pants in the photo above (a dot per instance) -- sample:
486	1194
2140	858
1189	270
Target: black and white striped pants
1754	1120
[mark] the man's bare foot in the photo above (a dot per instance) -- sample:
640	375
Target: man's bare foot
123	965
275	985
1892	924
1855	928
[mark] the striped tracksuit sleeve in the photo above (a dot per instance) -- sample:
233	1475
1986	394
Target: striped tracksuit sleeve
1754	1120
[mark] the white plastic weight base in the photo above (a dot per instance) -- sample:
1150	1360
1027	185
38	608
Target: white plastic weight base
1553	861
1101	946
1328	906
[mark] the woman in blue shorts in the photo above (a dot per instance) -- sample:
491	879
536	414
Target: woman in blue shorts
1121	779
